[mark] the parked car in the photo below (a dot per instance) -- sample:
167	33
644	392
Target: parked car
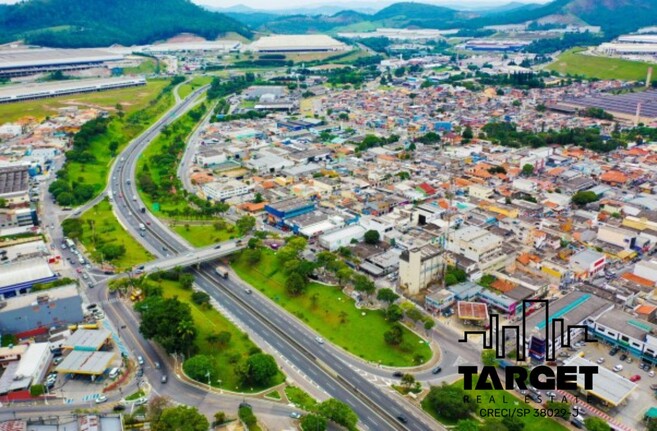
101	399
119	408
635	378
623	356
295	415
653	387
613	351
600	360
617	368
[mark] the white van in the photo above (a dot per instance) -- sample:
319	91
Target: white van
114	373
81	260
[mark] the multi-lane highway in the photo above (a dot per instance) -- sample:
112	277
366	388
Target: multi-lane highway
377	407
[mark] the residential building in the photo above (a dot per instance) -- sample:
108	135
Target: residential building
420	266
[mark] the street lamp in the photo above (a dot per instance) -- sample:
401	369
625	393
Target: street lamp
208	376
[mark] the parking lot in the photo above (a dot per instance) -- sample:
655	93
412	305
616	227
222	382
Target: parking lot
631	412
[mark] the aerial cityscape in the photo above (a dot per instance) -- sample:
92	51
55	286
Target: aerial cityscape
328	216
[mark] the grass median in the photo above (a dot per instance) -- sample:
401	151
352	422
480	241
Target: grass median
226	358
333	315
100	228
187	88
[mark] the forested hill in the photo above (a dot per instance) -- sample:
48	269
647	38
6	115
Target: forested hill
93	23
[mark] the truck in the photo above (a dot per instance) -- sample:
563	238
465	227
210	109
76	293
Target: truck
70	244
221	271
142	227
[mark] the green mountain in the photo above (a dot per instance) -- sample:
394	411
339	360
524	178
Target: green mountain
93	23
614	16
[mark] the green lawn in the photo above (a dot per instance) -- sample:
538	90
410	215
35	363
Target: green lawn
187	88
204	235
247	104
132	99
502	400
208	320
135	396
147	67
275	395
108	230
300	398
334	315
574	63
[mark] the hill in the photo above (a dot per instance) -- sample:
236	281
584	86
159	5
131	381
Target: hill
614	16
93	23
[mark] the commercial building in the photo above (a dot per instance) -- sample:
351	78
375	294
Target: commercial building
419	266
219	191
66	423
609	387
268	162
209	157
17	93
439	301
587	263
87	340
624	330
54	307
24	62
342	237
640	107
475	243
29	369
282	210
296	43
623	238
18	277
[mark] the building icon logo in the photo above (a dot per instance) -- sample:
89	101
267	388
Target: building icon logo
540	348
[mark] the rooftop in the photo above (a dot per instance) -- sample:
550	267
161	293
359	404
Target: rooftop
607	385
14	179
87	339
90	363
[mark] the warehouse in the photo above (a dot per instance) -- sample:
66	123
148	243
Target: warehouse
17	278
635	107
342	237
17	93
25	62
58	306
296	43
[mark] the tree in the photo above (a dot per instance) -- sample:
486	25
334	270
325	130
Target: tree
200	298
219	418
37	390
594	423
372	237
414	314
429	323
466	425
168	322
3	203
394	313
181	418
338	412
582	198
245	224
199	367
528	170
488	358
246	415
394	336
450	280
156	406
448	401
258	198
312	422
558	406
468	134
258	369
513	424
186	281
362	283
112	251
408	380
296	284
387	295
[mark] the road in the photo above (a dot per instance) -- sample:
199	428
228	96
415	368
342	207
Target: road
375	405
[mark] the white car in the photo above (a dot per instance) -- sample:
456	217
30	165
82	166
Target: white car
320	340
617	368
101	399
140	359
600	361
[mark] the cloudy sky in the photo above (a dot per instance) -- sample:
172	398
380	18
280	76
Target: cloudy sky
282	4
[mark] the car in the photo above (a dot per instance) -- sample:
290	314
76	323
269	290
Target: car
140	360
436	370
248	291
58	360
217	247
140	372
551	395
402	419
653	387
85	276
119	408
79	270
164	378
629	360
101	399
141	401
635	378
397	374
623	357
600	361
651	373
617	368
564	354
157	365
91	285
295	415
613	351
577	423
320	340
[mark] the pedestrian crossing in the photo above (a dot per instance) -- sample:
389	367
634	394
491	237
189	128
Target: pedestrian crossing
115	337
90	397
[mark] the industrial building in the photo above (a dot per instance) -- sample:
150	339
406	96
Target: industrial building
54	307
17	93
18	277
342	237
219	191
279	212
420	266
296	43
66	423
25	62
632	107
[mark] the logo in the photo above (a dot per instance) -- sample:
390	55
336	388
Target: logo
540	349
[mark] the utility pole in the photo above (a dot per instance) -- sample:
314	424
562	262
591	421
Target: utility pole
449	222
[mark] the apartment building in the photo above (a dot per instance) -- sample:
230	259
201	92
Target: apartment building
419	266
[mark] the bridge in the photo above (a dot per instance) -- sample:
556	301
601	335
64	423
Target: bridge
197	256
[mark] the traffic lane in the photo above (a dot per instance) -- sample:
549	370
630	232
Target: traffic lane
308	342
367	417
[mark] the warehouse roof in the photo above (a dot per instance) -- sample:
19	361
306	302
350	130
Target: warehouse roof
14	179
607	385
297	42
54	294
11	59
46	89
91	363
31	270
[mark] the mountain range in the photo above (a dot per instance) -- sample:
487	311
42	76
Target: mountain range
92	23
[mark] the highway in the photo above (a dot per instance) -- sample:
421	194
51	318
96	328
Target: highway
376	407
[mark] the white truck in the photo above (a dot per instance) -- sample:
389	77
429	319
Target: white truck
69	243
142	227
221	271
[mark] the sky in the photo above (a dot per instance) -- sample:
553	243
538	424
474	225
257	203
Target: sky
282	4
